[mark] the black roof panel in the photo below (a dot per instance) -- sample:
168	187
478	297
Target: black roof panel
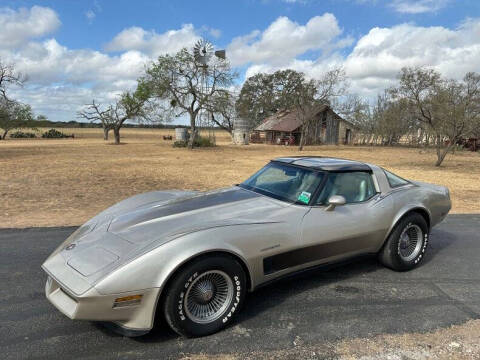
325	163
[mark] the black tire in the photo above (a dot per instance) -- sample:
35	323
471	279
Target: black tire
185	285
393	253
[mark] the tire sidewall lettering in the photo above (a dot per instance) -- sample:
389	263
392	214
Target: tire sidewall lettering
424	245
230	310
181	299
235	300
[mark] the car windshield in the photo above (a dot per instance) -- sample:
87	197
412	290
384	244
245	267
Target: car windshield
285	182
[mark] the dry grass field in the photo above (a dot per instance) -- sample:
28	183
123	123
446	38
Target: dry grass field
47	182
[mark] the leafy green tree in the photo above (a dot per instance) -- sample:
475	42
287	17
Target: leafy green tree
183	86
263	95
14	115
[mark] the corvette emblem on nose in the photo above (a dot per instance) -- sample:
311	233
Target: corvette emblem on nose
70	247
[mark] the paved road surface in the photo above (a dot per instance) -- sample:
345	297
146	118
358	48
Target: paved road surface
360	299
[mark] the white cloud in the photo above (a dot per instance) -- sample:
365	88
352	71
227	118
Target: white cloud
19	26
48	62
378	56
152	43
61	79
418	6
285	39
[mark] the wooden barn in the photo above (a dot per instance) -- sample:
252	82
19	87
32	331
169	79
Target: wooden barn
285	127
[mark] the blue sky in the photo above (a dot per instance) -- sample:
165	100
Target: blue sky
76	50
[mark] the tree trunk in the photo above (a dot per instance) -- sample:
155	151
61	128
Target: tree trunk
4	134
420	137
193	131
106	130
441	151
302	139
116	133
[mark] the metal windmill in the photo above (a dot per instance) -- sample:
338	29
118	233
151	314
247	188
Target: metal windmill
203	51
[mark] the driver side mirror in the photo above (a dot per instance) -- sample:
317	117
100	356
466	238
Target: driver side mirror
335	200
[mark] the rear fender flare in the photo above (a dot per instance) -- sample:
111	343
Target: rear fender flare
403	212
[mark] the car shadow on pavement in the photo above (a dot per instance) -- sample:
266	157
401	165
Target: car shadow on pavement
275	293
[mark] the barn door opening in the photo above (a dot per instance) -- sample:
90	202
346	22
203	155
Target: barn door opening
348	136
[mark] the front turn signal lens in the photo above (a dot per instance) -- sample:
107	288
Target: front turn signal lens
127	301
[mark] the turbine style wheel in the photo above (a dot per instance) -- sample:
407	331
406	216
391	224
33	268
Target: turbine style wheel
203	297
208	296
405	246
410	243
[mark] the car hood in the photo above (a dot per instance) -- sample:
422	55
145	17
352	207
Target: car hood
138	225
200	211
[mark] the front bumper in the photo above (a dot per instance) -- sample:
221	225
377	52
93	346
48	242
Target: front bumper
131	320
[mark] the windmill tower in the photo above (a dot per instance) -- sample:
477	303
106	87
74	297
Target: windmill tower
203	51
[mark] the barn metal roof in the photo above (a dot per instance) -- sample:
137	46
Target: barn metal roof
283	121
325	163
287	121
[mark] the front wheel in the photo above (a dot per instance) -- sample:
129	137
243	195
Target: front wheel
406	244
203	297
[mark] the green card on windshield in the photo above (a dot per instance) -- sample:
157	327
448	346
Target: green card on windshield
304	197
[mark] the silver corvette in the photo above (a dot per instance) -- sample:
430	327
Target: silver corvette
192	256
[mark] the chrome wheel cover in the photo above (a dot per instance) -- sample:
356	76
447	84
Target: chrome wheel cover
208	296
411	242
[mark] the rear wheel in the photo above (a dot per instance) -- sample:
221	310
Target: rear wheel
203	296
406	244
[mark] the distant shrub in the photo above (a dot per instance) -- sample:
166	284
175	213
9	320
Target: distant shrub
179	144
22	135
199	142
203	142
55	134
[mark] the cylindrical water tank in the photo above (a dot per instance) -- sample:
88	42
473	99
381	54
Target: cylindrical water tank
241	133
241	137
181	134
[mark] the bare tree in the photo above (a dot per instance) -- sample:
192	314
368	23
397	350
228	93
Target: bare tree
186	86
222	111
357	111
8	76
130	106
447	108
472	103
92	112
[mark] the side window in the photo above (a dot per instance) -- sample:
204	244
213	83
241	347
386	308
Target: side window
353	186
394	180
